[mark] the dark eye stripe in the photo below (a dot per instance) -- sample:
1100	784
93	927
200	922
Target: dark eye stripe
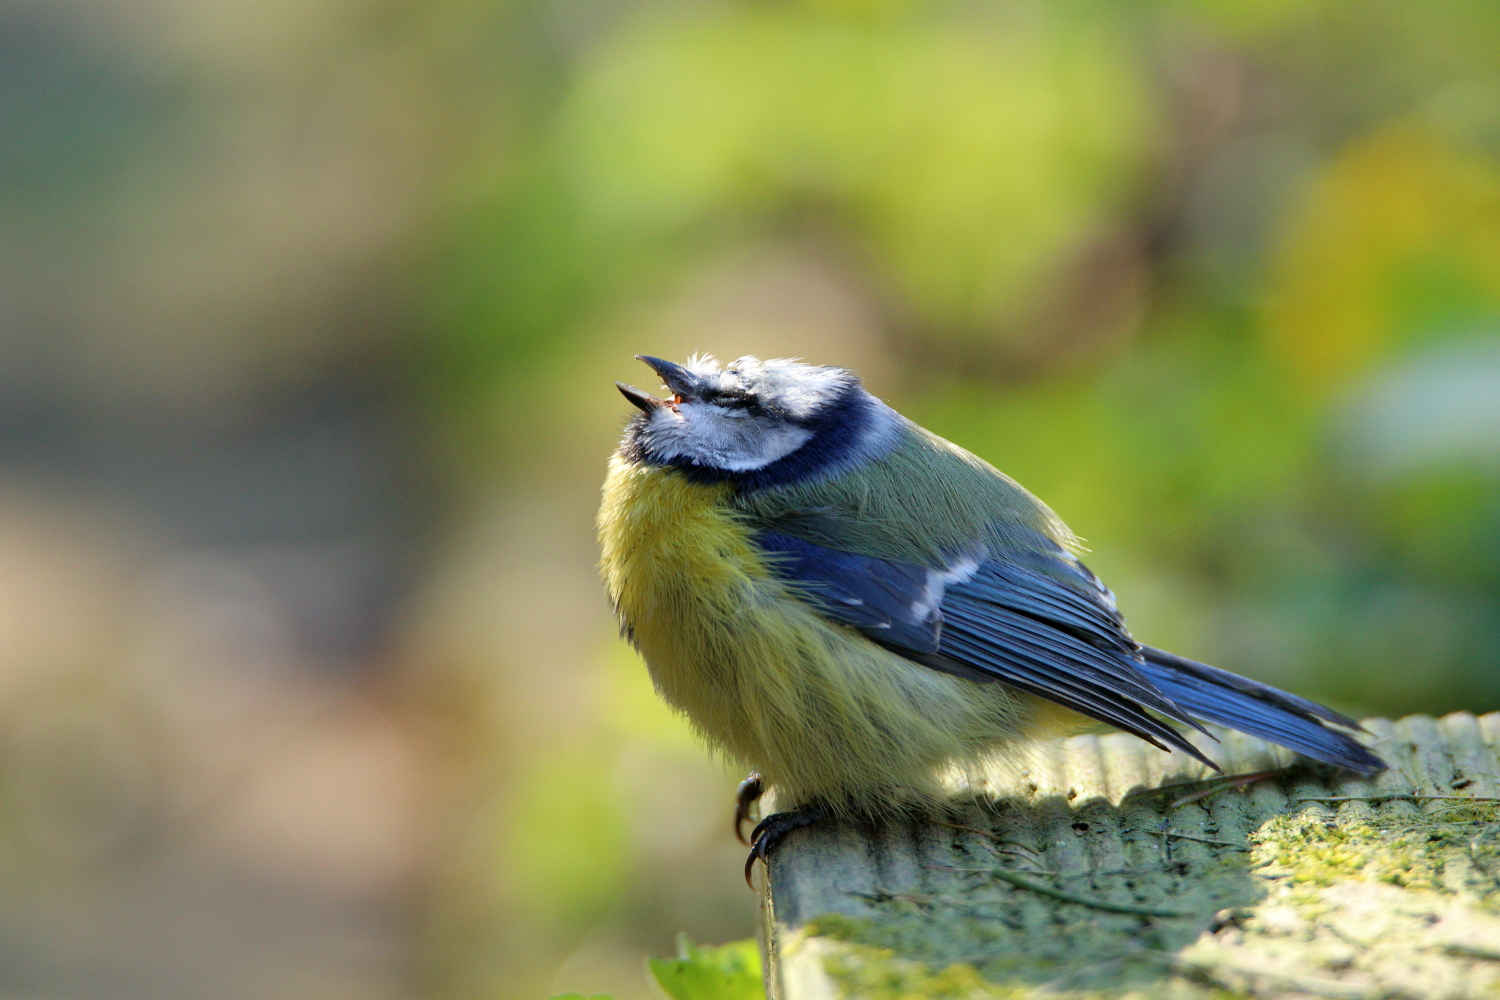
735	402
732	400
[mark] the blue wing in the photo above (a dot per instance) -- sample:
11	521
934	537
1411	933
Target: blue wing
880	598
989	620
1040	621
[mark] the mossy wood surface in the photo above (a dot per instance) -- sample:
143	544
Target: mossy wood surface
1083	874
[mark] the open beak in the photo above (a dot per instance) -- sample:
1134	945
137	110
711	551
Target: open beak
645	402
676	377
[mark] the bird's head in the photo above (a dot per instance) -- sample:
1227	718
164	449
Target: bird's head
751	419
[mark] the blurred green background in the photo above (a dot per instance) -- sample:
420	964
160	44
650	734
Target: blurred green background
309	316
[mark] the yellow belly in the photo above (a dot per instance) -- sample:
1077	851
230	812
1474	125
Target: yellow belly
819	710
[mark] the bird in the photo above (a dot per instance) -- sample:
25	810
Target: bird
850	606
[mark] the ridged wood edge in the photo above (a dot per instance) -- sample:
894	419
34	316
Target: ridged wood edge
1085	811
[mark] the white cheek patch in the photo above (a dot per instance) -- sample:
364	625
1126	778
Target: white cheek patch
721	439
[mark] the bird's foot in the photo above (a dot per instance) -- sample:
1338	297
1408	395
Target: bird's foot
747	795
773	830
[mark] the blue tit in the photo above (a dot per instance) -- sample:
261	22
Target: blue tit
852	606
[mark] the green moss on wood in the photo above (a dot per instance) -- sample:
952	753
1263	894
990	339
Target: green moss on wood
1416	851
878	974
1391	893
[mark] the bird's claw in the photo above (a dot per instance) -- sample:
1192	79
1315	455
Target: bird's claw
748	793
773	830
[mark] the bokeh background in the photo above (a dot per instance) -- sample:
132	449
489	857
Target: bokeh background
308	317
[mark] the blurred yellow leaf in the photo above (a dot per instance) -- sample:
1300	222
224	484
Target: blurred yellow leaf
1399	239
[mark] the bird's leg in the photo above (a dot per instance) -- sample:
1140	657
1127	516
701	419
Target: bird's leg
773	830
747	795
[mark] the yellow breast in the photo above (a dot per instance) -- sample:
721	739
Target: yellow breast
821	711
680	569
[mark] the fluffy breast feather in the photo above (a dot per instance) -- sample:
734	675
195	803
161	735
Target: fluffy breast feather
820	711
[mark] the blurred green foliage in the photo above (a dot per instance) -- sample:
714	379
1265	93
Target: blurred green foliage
699	972
1031	200
965	155
702	972
1219	280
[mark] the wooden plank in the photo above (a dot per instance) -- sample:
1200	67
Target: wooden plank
1073	873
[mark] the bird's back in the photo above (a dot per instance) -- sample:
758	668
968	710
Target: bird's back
922	502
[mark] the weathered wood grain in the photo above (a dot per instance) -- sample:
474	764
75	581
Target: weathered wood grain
1100	868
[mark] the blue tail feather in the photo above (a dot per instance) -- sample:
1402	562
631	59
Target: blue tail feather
1218	696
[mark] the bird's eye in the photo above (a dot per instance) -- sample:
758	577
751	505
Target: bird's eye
734	400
